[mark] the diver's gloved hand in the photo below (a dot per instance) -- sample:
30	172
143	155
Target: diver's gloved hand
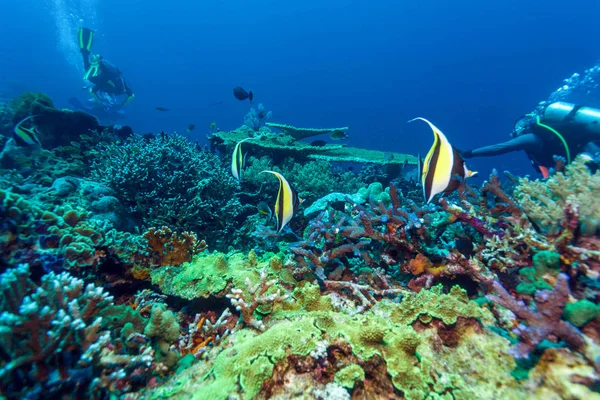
592	161
595	161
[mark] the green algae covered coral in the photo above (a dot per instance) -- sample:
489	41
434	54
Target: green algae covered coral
545	201
205	275
544	262
433	303
409	355
581	312
214	274
347	376
245	366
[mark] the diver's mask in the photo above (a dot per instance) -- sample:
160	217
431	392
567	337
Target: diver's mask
522	124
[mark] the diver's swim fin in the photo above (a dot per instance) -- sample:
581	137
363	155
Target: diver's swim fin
86	39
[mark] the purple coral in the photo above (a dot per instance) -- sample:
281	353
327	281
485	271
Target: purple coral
256	118
545	321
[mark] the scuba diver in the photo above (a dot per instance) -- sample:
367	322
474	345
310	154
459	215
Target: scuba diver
106	79
562	129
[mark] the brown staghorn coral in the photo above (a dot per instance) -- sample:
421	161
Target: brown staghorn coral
545	320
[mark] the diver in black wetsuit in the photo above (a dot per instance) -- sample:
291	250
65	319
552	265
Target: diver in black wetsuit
105	77
562	130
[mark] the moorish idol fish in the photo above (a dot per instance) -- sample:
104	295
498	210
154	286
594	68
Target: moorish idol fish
26	136
287	201
443	170
238	160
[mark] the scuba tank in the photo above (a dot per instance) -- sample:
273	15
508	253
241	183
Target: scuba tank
561	112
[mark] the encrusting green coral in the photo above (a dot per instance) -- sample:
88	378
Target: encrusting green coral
385	331
581	312
433	303
532	278
347	376
213	274
545	201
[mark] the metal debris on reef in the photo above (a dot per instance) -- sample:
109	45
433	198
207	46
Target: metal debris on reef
138	268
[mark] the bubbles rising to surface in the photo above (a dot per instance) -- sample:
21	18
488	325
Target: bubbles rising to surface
68	16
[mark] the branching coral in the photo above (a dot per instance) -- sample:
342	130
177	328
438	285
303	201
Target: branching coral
256	296
167	181
363	293
545	321
375	234
545	202
324	243
202	332
144	300
39	326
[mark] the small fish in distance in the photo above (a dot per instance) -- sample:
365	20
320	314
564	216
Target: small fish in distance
338	135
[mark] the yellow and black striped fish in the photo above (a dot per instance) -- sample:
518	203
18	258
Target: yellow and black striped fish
287	201
444	170
237	160
26	136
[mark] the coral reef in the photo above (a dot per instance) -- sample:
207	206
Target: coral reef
545	202
283	146
167	181
169	248
54	341
58	127
108	289
545	321
311	180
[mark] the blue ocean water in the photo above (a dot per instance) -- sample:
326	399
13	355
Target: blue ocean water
471	67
